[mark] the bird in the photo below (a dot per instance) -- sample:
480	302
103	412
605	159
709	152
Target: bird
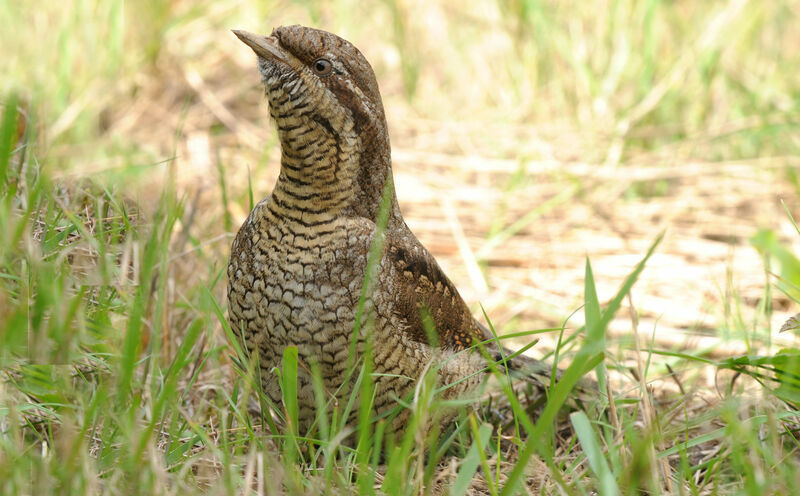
326	263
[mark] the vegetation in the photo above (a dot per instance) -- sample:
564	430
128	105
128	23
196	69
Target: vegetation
134	139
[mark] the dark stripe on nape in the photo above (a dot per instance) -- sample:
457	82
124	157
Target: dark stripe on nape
327	125
322	121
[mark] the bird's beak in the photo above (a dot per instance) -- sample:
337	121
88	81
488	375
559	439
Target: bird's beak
265	46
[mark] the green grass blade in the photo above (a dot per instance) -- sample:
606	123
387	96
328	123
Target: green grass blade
593	452
591	309
469	465
8	131
289	386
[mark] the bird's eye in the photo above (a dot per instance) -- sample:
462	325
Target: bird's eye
323	67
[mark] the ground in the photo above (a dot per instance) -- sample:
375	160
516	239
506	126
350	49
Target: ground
528	138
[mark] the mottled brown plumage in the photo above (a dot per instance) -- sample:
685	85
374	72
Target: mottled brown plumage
299	262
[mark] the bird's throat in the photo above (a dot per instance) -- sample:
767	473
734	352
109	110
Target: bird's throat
329	170
318	171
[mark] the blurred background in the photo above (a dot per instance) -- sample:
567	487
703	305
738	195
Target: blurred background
527	135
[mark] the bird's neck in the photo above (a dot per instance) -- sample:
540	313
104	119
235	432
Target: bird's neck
325	175
374	176
318	168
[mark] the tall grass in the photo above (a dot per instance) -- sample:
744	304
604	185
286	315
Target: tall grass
118	371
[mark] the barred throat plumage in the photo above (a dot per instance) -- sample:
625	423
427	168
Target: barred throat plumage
299	261
330	121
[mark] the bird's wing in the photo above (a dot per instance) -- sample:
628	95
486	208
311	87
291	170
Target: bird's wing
427	302
424	298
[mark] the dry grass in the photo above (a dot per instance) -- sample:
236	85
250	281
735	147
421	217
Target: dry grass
526	136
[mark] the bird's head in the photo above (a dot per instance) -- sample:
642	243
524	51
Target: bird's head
324	98
317	78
